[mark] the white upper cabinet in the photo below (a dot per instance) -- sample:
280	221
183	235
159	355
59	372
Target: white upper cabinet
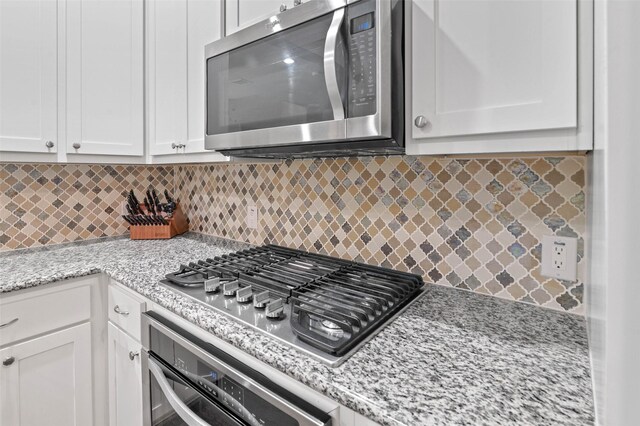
104	84
204	25
492	67
242	13
28	76
177	31
167	75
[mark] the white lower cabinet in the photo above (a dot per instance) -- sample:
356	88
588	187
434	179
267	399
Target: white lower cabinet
125	379
55	375
48	380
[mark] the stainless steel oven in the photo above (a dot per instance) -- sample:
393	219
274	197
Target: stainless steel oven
191	382
322	79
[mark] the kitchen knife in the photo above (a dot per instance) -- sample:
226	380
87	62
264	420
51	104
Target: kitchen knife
133	220
133	196
149	197
135	207
135	201
125	217
167	196
156	200
148	207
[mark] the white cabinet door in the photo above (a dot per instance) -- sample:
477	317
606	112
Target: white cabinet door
167	75
47	380
242	13
204	25
104	58
125	379
178	30
28	75
490	66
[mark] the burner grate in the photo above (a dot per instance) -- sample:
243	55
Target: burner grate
335	303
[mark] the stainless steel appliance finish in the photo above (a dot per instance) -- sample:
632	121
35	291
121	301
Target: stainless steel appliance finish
325	78
189	381
322	306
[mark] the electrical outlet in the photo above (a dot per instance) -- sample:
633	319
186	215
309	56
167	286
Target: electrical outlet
123	208
559	257
252	217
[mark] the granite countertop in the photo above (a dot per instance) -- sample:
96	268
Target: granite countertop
452	358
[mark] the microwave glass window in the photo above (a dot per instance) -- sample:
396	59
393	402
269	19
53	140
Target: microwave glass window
362	23
273	82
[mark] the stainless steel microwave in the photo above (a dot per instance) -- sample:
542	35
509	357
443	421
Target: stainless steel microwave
323	79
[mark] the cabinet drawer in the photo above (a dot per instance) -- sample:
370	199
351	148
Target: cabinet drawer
41	313
125	310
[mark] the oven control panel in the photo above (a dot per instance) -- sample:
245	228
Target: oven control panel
362	72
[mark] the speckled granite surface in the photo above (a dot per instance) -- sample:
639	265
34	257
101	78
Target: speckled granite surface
453	358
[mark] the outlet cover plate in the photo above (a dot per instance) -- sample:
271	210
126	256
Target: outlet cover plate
560	257
252	217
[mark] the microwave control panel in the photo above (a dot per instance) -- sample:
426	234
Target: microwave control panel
362	73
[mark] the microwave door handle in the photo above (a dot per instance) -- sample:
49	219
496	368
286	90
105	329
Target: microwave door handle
330	76
181	409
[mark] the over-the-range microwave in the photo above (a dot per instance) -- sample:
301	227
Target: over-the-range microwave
323	79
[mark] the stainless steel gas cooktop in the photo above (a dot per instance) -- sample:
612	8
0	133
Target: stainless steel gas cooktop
320	305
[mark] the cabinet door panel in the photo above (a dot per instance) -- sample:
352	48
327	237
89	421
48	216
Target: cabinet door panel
49	383
167	74
242	13
489	66
203	17
105	77
125	379
177	32
28	75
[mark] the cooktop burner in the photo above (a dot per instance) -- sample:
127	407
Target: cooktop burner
324	306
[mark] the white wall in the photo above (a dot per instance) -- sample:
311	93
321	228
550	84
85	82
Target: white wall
613	290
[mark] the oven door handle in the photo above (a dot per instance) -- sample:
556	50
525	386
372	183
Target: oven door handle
330	75
181	409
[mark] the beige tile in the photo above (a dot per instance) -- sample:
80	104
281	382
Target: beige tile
396	202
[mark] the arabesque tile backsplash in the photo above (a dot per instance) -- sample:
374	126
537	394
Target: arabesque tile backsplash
474	224
42	204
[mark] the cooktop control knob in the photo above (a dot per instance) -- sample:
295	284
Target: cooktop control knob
244	295
261	299
230	288
212	285
275	310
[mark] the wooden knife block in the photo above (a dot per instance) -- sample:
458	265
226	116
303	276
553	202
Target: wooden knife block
178	224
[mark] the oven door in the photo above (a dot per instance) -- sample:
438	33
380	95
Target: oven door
174	401
187	381
280	82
